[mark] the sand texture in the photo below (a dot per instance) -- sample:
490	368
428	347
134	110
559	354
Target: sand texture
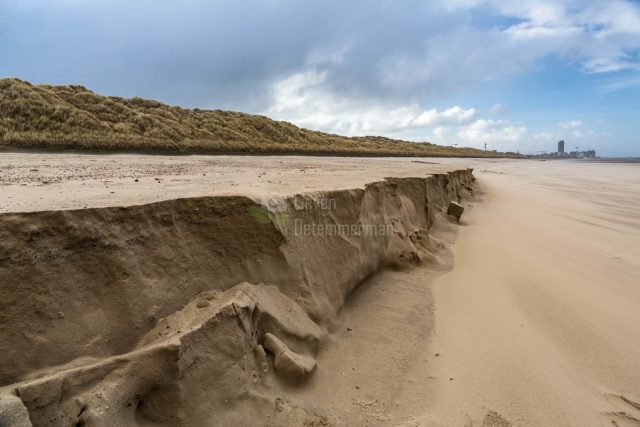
540	318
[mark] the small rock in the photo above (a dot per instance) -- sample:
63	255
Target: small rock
493	419
455	210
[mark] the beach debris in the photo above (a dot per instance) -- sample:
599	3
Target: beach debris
455	210
202	304
494	419
427	163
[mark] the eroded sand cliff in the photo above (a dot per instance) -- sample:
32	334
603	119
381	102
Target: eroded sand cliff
194	311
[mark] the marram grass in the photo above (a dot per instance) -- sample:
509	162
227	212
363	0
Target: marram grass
73	117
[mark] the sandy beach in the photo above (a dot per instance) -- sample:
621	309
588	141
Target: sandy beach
525	313
320	214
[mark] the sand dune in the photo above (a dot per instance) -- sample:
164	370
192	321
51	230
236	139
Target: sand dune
73	117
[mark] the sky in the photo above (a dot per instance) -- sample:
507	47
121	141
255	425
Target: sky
516	75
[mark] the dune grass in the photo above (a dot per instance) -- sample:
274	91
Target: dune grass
73	117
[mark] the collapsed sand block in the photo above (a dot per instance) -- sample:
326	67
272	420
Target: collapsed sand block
261	358
455	210
163	378
13	412
105	393
290	364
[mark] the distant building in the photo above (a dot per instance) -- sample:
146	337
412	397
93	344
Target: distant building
589	154
561	154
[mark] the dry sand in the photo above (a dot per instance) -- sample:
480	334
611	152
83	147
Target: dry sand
538	323
526	314
35	182
540	318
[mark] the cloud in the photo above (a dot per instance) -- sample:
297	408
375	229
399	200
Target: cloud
545	136
453	115
496	132
620	62
601	36
586	134
305	99
619	84
571	124
200	53
498	109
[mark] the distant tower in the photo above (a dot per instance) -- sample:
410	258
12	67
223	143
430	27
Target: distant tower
561	147
485	146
